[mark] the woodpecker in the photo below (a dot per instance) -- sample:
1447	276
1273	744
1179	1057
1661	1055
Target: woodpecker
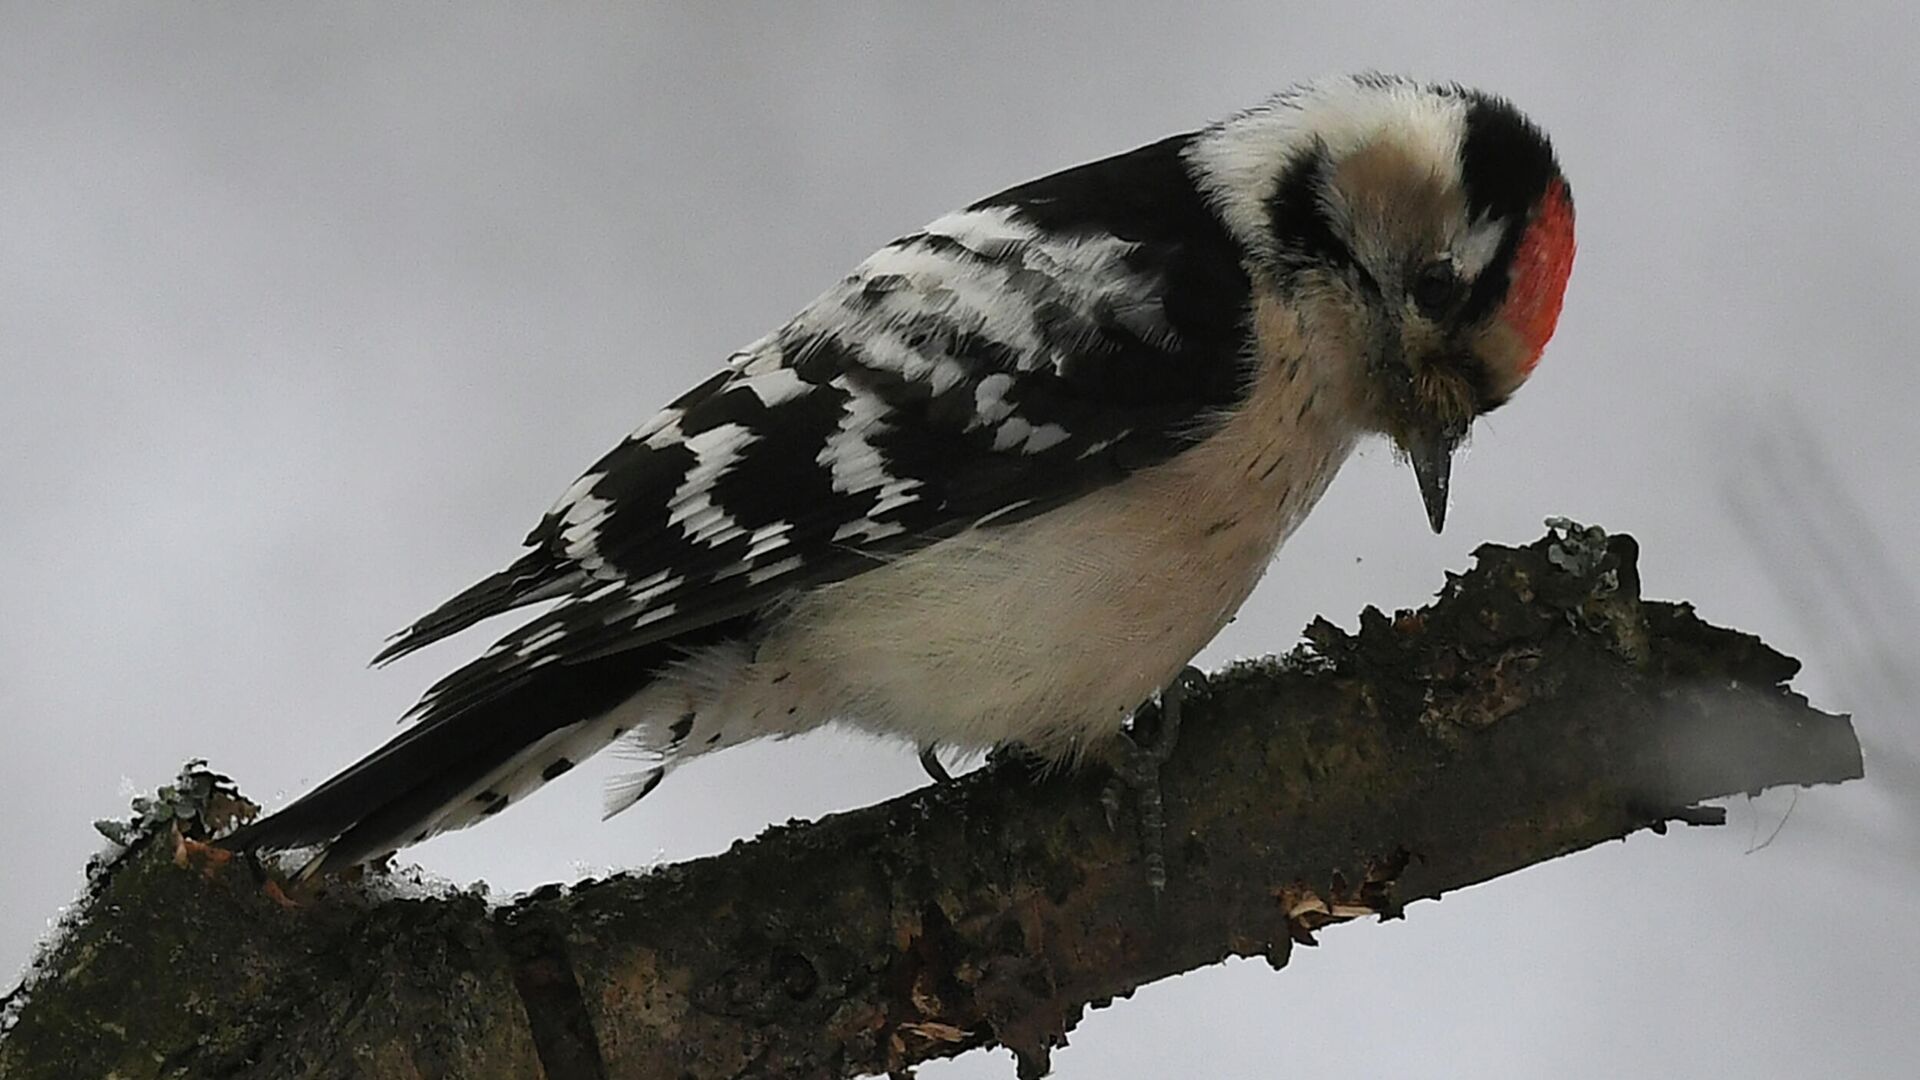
999	484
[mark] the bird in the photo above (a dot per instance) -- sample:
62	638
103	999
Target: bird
999	484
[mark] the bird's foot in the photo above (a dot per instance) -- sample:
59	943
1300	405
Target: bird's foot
930	761
1021	756
1148	743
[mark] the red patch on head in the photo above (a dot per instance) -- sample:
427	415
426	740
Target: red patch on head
1540	267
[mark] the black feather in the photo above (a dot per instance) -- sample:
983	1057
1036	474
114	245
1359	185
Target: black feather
380	803
535	576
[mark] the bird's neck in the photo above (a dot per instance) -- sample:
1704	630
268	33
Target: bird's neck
1298	420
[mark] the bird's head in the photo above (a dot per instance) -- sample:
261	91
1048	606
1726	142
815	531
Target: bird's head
1424	232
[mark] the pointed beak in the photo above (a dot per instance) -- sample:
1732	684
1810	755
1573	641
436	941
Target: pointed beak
1432	455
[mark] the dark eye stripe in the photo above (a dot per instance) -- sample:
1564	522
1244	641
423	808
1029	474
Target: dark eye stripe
1297	213
1491	286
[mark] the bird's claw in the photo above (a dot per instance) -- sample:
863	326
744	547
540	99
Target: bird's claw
1148	744
930	761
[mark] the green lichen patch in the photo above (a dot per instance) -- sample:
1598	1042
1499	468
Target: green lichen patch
203	803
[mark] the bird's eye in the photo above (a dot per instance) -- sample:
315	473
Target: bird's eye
1435	289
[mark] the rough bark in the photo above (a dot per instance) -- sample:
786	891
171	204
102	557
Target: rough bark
1537	708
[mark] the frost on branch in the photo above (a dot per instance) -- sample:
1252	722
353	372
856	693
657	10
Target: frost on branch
1537	707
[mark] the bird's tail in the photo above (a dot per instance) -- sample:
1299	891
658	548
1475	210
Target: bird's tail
452	770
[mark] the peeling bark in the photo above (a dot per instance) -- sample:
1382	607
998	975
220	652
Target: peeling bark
1537	708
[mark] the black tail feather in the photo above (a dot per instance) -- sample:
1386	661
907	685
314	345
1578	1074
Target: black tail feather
533	577
384	801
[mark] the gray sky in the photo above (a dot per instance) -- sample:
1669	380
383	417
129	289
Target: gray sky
306	318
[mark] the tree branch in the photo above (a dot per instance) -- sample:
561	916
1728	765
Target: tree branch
1539	707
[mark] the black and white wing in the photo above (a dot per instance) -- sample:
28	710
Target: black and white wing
1005	358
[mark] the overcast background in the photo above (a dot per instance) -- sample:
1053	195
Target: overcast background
304	320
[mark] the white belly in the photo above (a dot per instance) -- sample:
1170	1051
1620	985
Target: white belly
1050	631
